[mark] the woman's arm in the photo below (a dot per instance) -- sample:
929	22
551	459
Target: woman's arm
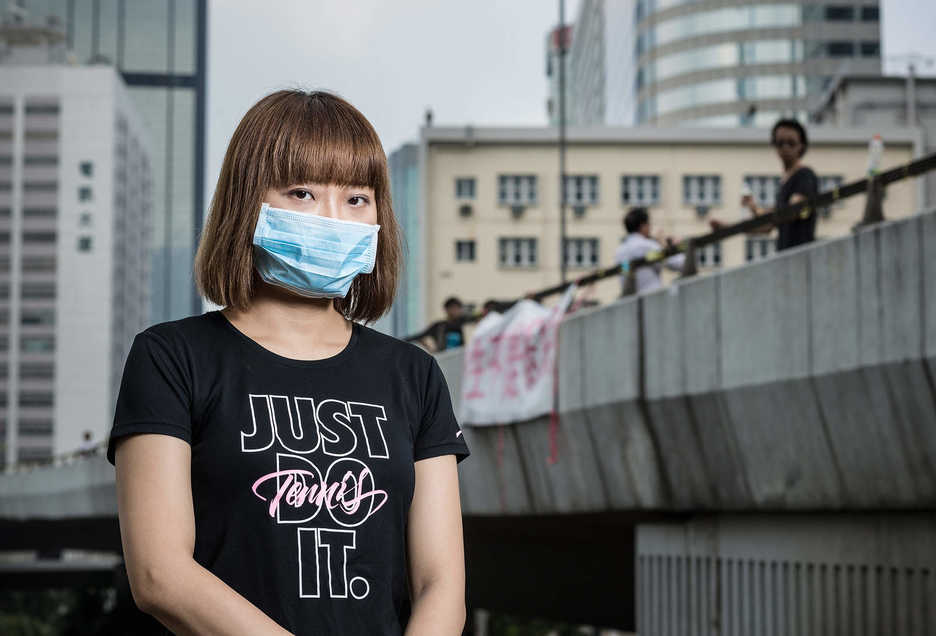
436	550
157	530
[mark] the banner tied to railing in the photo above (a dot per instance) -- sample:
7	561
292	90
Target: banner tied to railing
510	364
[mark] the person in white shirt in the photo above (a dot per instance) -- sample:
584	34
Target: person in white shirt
637	245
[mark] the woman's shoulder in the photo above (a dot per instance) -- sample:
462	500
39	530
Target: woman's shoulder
378	343
189	331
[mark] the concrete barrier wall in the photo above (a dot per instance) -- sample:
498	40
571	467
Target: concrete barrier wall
801	382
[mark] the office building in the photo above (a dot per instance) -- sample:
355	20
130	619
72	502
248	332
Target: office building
159	48
714	63
489	199
880	102
76	207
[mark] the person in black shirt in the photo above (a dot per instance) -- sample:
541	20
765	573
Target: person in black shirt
281	467
446	334
798	183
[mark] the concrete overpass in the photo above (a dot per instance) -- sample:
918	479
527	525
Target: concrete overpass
748	452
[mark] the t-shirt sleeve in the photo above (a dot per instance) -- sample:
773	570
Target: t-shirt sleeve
806	183
155	393
439	433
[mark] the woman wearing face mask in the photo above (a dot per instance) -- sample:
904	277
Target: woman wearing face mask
282	468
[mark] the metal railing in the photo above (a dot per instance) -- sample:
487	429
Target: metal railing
688	246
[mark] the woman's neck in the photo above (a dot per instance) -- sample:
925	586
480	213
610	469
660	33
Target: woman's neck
296	327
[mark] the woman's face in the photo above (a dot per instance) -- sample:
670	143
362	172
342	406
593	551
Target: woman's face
347	203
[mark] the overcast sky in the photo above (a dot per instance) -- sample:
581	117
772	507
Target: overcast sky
480	62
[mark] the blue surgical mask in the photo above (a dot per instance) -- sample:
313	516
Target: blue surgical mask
312	255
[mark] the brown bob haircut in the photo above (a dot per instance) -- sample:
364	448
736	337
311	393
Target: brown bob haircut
287	138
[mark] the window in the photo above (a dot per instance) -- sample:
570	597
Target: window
35	398
581	252
870	49
38	291
758	247
37	344
41	160
579	189
84	243
38	263
464	251
465	188
517	252
32	213
35	427
36	371
5	212
840	49
86	168
42	109
85	219
40	186
38	237
38	317
41	135
763	188
516	189
85	194
701	189
640	189
709	256
870	14
839	13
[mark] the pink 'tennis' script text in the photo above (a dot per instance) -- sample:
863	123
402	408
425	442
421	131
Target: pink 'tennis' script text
296	492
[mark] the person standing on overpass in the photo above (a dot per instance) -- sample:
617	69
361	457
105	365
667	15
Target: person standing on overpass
637	245
798	183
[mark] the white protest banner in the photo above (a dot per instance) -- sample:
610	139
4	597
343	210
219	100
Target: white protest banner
510	362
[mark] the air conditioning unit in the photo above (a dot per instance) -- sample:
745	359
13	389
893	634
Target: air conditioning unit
578	210
517	211
465	211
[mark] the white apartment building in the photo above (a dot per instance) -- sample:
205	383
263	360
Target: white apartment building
75	220
487	206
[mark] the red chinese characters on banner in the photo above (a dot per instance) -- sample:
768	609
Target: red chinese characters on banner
509	364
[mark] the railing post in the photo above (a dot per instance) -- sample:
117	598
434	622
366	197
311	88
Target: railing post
689	265
874	208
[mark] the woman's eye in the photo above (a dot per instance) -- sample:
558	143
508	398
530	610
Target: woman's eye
358	200
302	195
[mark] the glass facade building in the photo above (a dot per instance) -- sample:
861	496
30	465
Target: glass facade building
715	63
159	48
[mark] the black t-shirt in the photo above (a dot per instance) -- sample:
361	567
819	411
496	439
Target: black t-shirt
798	231
302	471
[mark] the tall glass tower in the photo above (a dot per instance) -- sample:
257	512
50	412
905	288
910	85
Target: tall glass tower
159	47
714	62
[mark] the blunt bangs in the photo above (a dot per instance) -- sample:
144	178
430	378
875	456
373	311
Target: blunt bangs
317	142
